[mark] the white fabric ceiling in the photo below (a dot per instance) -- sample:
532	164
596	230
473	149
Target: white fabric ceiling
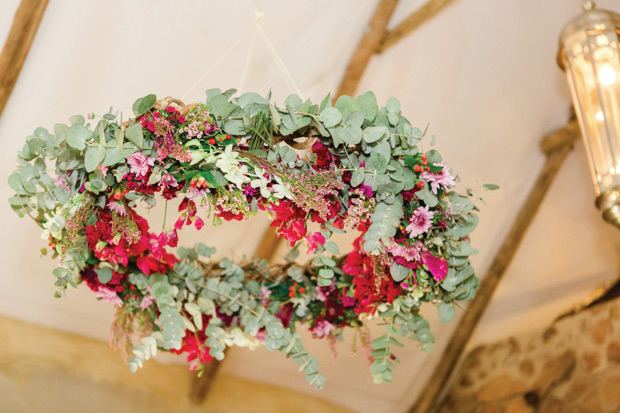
482	72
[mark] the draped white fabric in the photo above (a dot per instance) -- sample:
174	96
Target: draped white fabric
482	73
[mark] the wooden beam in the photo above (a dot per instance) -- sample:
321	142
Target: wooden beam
367	47
415	20
430	396
268	245
201	385
355	69
24	28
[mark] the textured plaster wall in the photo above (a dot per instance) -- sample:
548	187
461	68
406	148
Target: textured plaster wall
43	370
572	366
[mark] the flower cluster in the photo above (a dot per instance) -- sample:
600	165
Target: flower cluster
364	173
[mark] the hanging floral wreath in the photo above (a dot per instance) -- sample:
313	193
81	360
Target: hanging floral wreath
229	158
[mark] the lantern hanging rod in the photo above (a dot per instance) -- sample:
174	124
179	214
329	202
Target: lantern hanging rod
589	5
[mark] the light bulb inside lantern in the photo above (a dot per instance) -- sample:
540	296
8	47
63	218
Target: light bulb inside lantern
599	115
606	74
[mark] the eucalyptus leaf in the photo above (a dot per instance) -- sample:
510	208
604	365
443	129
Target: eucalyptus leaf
76	136
331	117
134	135
93	157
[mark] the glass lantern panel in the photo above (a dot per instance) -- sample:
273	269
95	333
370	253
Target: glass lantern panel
593	71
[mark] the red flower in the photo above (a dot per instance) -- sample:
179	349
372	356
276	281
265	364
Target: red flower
313	241
290	221
149	265
195	347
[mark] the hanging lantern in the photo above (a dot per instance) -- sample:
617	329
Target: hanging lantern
589	55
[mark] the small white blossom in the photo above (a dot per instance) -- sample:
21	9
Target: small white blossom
281	189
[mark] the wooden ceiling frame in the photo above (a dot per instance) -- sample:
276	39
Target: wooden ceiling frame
376	40
556	147
23	30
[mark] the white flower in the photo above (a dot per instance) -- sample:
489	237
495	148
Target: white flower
236	337
261	182
229	164
281	190
227	160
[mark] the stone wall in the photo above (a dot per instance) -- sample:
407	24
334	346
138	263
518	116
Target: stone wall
573	366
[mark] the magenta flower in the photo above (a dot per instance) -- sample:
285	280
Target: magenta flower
436	265
442	178
420	221
140	164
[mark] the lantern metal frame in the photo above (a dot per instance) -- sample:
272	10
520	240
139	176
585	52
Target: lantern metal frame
607	184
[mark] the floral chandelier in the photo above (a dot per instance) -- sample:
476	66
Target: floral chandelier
227	159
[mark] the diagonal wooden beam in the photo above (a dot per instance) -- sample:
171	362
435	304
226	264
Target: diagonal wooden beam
202	385
367	47
556	147
415	20
24	28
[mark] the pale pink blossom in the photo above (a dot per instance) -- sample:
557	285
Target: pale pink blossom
168	181
140	164
196	192
117	207
420	222
265	293
410	253
103	170
442	178
61	181
109	296
320	294
146	302
322	328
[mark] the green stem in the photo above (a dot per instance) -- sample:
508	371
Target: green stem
163	225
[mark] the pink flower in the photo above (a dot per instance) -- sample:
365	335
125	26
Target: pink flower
117	207
436	265
103	170
265	293
196	192
410	253
146	302
61	181
420	222
323	292
313	241
322	328
108	296
140	163
168	181
442	178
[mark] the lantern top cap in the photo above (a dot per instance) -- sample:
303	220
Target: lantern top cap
591	19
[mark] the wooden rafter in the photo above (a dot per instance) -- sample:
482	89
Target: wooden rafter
367	47
201	385
415	20
17	45
556	147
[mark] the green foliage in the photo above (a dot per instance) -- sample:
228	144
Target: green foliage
377	146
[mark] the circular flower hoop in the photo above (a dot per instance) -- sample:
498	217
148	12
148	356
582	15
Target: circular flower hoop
229	158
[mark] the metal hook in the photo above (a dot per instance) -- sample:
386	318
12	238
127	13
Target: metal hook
589	5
